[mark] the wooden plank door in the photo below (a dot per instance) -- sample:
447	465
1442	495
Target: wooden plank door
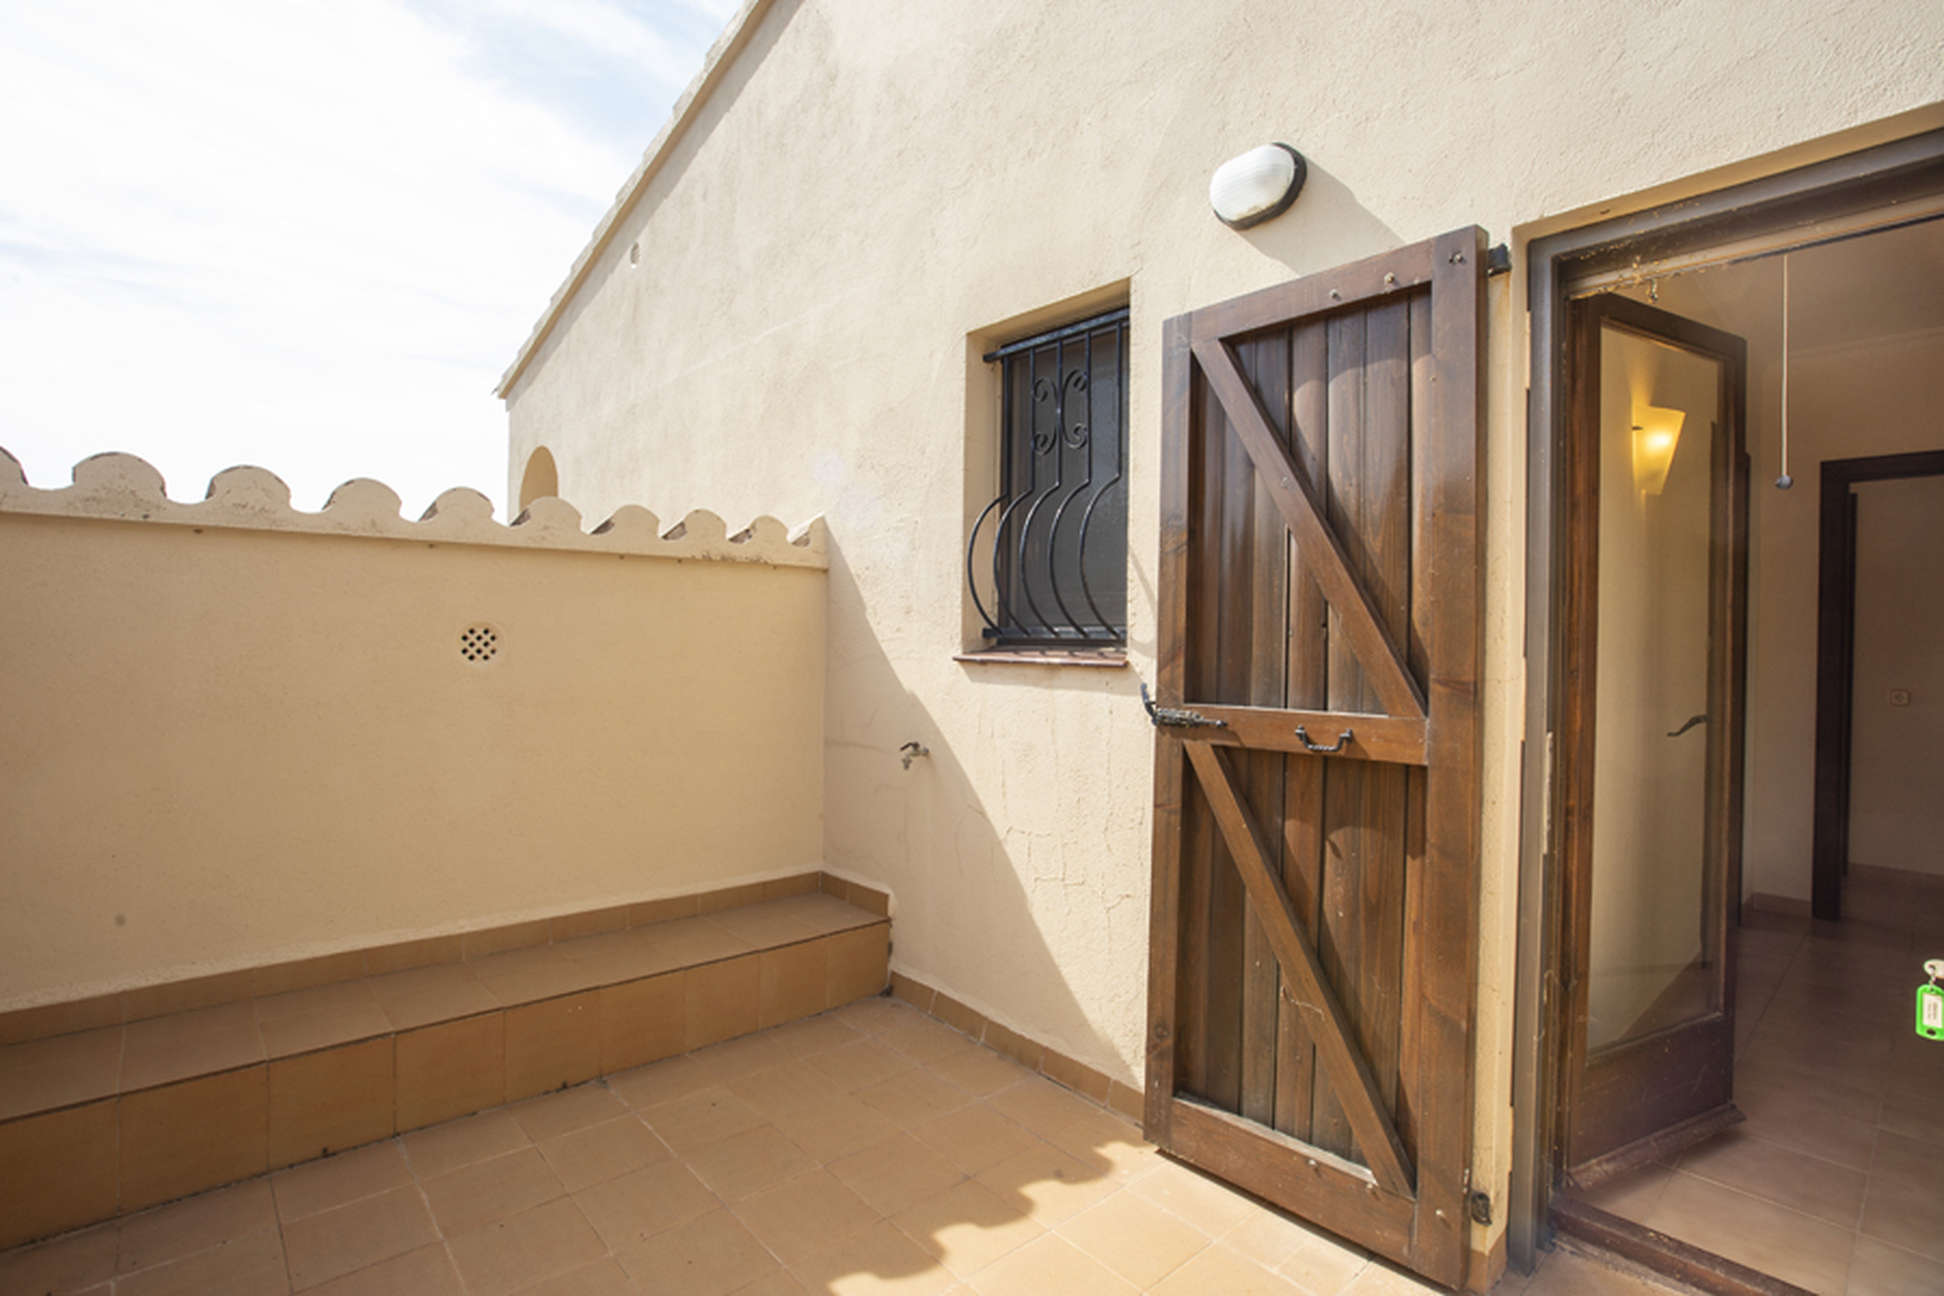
1316	792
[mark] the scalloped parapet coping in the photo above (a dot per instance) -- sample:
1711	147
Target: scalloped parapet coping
126	488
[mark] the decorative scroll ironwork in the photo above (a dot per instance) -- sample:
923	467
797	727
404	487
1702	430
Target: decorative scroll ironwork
1047	558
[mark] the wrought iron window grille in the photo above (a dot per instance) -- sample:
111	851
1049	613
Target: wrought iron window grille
1046	562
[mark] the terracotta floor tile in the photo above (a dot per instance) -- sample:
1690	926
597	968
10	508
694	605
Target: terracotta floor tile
194	1224
1057	1185
817	1034
1206	1203
522	1249
337	997
194	1135
1327	1265
1040	1105
748	1162
427	1271
1221	1268
913	1097
1800	1119
896	1173
601	1152
1632	1193
872	1016
1272	1239
442	1149
601	1278
881	1261
1564	1273
1137	1240
864	1063
554	1114
661	1082
684	942
1049	1264
802	1216
252	1265
968	1227
349	1238
701	1118
1779	1174
302	1033
1102	1140
1879	1269
177	1047
524	976
490	1190
1905	1207
333	1181
1788	1244
780	1283
710	1256
976	1069
645	1203
422	996
919	1037
65	1264
833	1127
975	1137
58	1072
786	1087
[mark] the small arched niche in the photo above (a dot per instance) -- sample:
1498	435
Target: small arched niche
541	477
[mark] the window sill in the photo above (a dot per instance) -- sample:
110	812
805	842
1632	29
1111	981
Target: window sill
1109	658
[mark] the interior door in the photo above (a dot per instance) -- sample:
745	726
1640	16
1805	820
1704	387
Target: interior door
1651	732
1314	920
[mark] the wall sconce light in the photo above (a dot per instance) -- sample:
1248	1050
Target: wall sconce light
1656	432
1257	186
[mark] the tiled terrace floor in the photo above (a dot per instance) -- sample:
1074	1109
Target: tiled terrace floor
870	1149
1835	1182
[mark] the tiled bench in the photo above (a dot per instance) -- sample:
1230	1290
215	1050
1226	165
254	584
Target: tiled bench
101	1122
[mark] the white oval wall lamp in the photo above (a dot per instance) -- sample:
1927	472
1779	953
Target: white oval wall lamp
1257	186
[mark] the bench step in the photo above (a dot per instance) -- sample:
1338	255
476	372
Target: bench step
108	1121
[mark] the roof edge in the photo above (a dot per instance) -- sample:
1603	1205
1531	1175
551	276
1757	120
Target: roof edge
722	56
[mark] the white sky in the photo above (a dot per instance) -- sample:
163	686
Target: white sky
307	236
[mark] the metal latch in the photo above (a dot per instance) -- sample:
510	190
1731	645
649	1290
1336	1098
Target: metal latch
1176	717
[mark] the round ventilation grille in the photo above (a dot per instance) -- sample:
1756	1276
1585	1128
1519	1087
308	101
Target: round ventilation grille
479	644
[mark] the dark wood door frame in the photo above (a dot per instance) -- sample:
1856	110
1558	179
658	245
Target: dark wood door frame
1624	1101
1877	187
1835	657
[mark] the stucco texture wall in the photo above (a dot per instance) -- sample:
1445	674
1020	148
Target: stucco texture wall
872	193
231	741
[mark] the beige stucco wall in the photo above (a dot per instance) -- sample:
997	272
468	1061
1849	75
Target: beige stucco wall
873	192
236	735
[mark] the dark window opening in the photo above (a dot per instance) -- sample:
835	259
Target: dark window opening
1047	560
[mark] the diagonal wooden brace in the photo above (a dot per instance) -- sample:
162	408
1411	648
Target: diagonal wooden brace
1328	1026
1316	541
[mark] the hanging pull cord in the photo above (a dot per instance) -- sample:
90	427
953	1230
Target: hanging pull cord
1785	481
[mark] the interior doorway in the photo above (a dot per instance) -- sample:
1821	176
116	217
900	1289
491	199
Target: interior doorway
1722	1086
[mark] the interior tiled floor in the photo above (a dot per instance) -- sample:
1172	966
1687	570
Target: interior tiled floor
1835	1182
870	1149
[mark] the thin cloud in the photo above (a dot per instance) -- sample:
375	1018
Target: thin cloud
301	235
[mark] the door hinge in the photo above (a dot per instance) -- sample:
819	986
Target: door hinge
1498	259
1479	1204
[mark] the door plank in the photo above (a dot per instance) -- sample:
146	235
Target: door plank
1306	685
1320	548
1171	614
1331	1030
1265	363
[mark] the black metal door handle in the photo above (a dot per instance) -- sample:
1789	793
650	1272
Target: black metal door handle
1692	721
1302	736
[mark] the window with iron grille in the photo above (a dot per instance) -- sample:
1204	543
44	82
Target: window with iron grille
1047	560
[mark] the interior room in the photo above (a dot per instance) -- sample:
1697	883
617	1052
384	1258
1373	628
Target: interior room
1826	1167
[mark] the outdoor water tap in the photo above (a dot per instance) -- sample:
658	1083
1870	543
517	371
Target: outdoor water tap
911	751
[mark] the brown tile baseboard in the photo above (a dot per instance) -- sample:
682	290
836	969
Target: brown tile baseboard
138	1003
1123	1099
